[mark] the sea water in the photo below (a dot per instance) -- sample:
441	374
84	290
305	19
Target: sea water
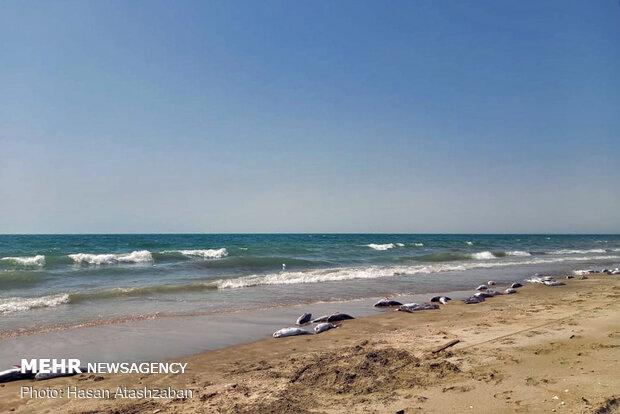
64	283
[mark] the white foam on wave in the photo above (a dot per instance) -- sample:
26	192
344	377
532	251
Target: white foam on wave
469	243
385	246
570	251
206	253
17	304
482	256
418	244
400	244
520	253
374	272
38	260
138	256
314	276
535	279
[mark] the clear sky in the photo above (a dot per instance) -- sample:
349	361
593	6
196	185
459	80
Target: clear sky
313	116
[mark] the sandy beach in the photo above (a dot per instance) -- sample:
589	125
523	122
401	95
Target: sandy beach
190	190
545	349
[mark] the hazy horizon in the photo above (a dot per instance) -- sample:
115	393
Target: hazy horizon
348	117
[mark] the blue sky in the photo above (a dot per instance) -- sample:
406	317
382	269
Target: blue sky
274	116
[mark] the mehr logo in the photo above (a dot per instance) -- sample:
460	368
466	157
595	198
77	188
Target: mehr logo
51	366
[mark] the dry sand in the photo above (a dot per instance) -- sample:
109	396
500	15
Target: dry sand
544	349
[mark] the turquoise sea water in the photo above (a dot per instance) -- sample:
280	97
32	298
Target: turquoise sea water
75	279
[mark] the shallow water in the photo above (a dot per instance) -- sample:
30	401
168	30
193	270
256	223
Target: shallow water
177	336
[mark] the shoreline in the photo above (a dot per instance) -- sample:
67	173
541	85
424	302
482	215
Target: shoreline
515	353
196	333
424	284
124	319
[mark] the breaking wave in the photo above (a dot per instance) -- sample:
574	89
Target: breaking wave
141	256
569	251
374	272
453	256
483	256
38	260
17	304
519	253
202	253
385	246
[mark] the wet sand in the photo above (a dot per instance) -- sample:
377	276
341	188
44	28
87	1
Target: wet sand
172	337
544	349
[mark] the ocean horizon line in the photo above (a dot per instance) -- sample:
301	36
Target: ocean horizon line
311	233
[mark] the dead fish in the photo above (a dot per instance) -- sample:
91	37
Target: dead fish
15	374
338	317
414	307
320	319
441	299
304	319
284	332
322	327
473	299
387	302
